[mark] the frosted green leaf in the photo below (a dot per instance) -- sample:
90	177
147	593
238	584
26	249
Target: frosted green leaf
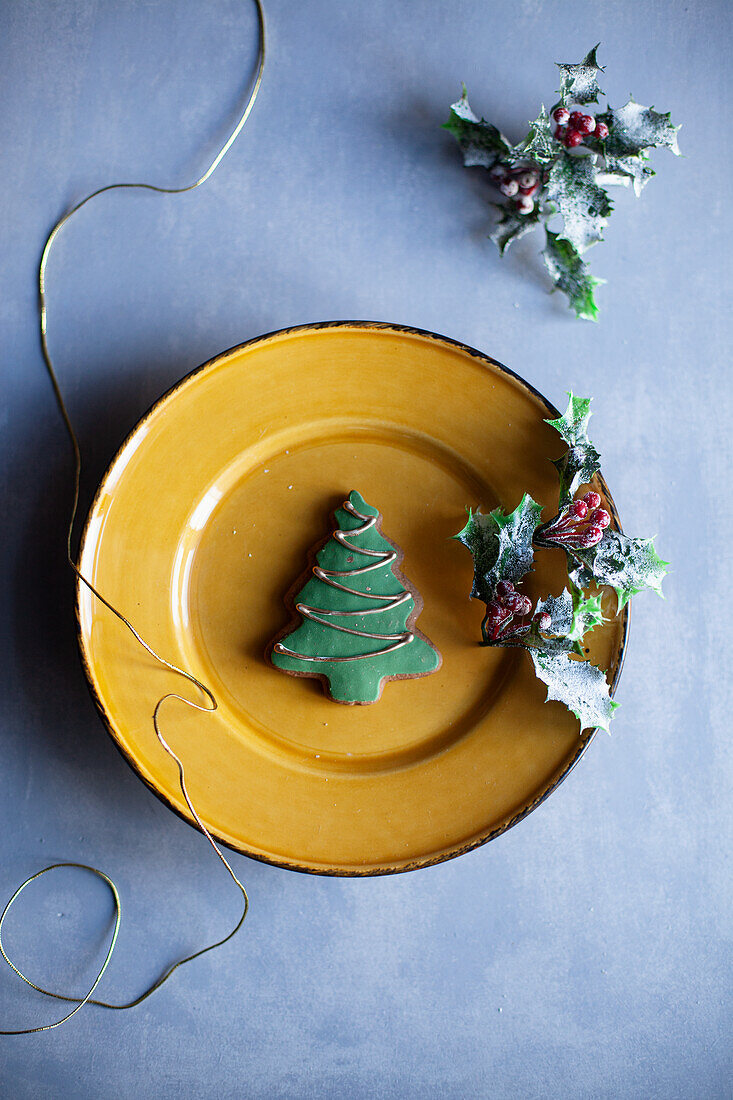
581	686
573	424
587	614
583	205
571	275
627	565
625	170
571	618
480	142
539	146
633	128
511	226
501	545
560	610
579	82
581	462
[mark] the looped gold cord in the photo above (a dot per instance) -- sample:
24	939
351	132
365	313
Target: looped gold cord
210	703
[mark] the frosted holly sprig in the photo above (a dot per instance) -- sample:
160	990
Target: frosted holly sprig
552	631
562	168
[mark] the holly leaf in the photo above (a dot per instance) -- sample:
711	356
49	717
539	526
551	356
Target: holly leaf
581	462
577	615
539	146
583	205
571	618
480	142
633	128
581	686
627	565
571	275
511	226
553	638
587	614
560	610
579	83
573	424
625	170
631	131
501	545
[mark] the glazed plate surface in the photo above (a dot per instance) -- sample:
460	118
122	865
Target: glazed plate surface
200	526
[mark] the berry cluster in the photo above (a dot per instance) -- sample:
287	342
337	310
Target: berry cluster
507	614
573	127
577	527
518	184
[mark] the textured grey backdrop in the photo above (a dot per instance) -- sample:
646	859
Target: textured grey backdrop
587	952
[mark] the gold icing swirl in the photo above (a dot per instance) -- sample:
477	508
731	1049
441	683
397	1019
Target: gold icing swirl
384	557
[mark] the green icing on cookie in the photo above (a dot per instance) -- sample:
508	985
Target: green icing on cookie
357	619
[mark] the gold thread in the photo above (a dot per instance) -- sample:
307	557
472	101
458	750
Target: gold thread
210	704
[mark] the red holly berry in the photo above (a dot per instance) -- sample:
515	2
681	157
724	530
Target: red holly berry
592	536
586	125
527	178
543	620
496	620
517	603
592	499
575	119
525	205
509	188
601	131
503	588
528	190
561	115
572	138
560	133
495	613
579	509
600	517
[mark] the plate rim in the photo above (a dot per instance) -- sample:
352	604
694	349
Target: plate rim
509	822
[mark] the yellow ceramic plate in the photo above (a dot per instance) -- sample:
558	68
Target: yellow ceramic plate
205	518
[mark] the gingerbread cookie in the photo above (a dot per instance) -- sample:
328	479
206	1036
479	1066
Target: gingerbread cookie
354	613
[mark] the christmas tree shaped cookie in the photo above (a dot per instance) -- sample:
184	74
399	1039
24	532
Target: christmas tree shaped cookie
354	613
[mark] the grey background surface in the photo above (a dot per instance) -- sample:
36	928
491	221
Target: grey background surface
587	952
